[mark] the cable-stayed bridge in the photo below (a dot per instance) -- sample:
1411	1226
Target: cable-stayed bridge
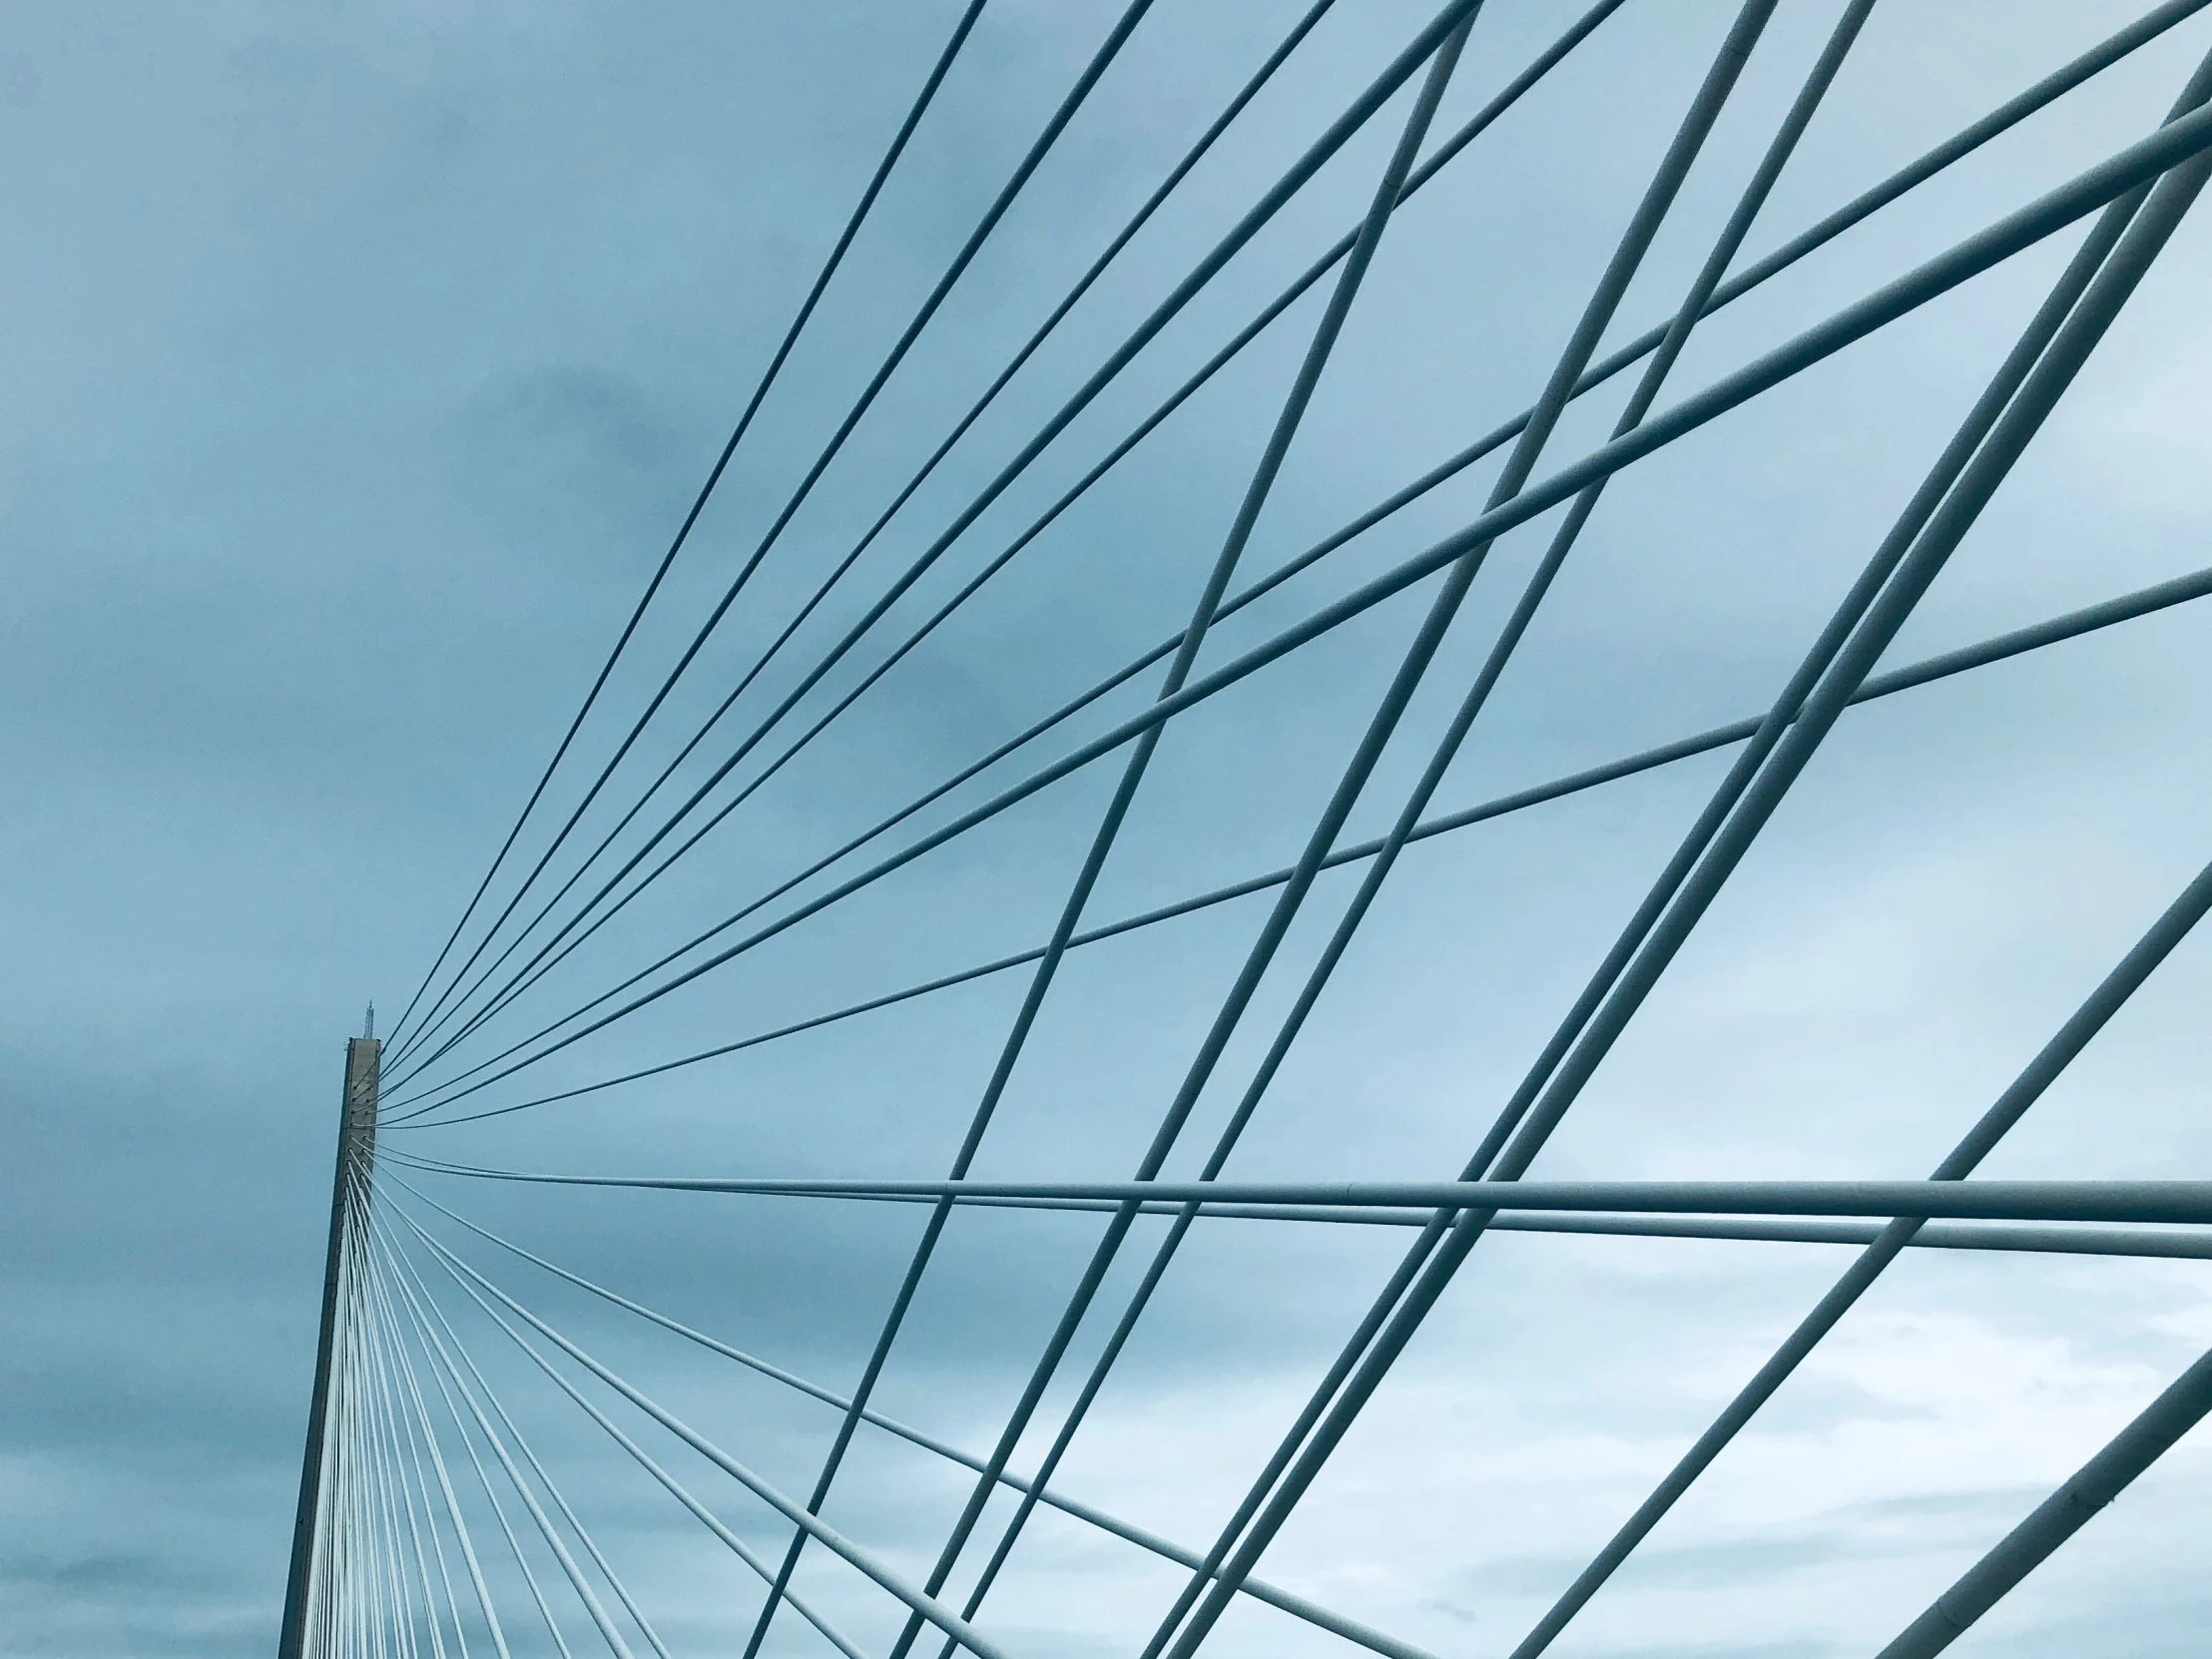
429	1525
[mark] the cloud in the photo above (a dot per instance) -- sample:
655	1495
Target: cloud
366	363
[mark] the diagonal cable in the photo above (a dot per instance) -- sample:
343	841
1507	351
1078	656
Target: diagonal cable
713	476
2082	194
1024	170
1969	472
1976	133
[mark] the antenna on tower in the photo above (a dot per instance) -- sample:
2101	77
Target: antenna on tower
368	1025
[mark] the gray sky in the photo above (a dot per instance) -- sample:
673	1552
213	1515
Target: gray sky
363	361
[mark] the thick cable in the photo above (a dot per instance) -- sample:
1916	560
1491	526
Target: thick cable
2149	1436
2176	1203
2073	1036
1716	264
1418	1279
1743	813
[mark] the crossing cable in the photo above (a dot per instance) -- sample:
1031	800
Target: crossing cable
866	1562
1969	139
1333	139
1083	284
574	1573
2074	1035
2110	1203
1861	630
1980	133
2073	625
713	476
1265	474
532	970
591	1547
1322	1617
1705	107
1116	38
1523	1146
2180	1407
2082	194
1383	726
736	1545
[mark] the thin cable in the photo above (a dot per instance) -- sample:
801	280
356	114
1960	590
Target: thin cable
452	1503
430	1518
1066	111
1092	71
760	393
583	1536
533	969
2073	625
1083	284
392	1476
869	1565
2180	1407
1898	183
1748	804
499	1514
638	1454
1340	132
2084	194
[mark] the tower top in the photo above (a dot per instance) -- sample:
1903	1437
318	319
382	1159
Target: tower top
368	1025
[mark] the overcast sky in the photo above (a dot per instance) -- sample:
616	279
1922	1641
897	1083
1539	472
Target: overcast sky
362	360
